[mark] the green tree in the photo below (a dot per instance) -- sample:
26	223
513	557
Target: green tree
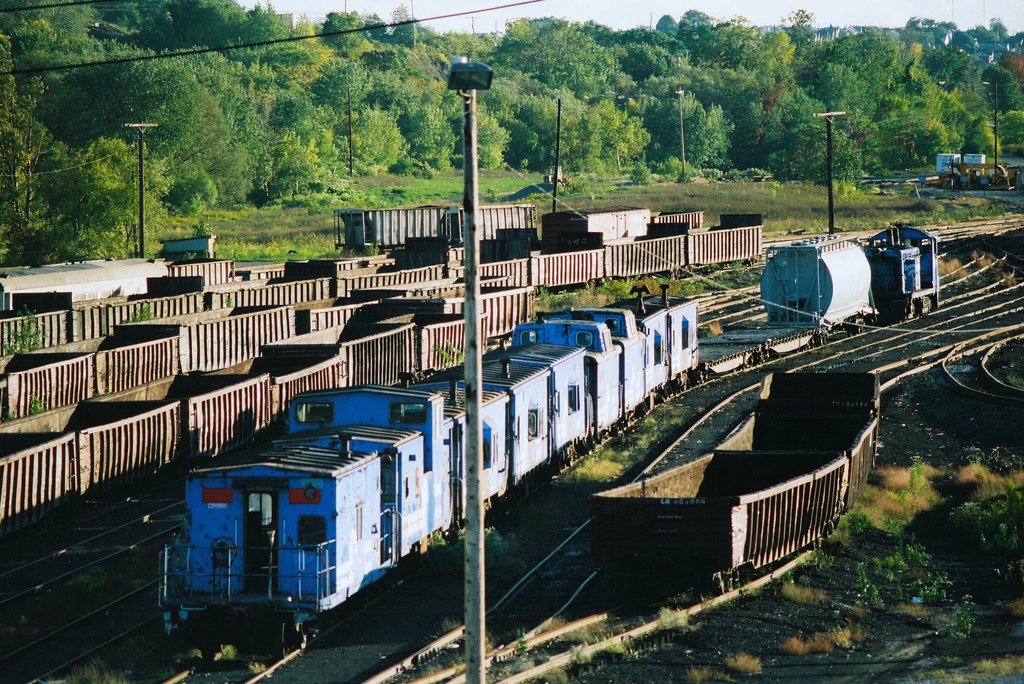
556	53
1011	129
378	142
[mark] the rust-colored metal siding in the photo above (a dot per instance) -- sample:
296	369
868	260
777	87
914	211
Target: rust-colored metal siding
514	273
51	329
381	358
643	257
219	339
274	294
39	382
327	374
373	281
571	268
226	418
98	319
125	367
35	480
694	219
318	319
442	345
721	246
503	310
127	450
787	518
216	272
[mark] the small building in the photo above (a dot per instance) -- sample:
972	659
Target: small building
190	248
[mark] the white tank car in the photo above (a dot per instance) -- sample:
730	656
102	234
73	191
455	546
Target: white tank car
823	281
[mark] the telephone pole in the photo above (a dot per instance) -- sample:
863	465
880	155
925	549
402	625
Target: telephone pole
141	128
829	116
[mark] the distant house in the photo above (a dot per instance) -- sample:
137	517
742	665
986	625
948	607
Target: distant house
288	19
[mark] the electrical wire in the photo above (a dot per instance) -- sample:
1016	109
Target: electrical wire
261	43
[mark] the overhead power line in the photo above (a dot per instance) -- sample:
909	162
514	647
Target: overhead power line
23	8
261	43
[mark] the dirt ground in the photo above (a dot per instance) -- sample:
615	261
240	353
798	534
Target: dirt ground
911	603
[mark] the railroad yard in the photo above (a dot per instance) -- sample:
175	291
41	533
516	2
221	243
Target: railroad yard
893	594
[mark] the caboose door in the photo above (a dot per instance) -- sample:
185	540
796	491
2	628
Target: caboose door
260	542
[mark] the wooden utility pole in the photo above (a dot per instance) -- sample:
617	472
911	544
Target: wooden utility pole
556	176
682	136
829	116
350	131
141	128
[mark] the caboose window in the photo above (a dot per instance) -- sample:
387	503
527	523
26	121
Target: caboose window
657	349
574	398
408	413
312	530
584	339
533	423
528	337
488	457
613	325
314	412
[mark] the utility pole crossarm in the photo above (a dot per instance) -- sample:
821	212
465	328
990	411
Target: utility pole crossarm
829	116
141	128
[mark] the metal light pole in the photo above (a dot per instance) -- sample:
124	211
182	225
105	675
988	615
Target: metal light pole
468	77
829	116
141	127
682	137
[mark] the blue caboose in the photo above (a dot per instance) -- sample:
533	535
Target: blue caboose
633	343
603	373
905	278
277	536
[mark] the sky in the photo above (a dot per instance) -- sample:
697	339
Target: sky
624	15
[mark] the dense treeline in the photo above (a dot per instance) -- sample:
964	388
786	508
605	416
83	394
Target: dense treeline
270	125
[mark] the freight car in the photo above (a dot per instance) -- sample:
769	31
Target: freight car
831	281
775	485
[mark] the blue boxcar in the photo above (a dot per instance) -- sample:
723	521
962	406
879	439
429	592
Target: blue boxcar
905	278
602	363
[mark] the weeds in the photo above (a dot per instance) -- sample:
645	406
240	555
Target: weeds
672	619
27	335
143	313
699	675
96	672
966	615
804	595
744	663
1015	609
35	405
901	494
915	610
1003	667
994	525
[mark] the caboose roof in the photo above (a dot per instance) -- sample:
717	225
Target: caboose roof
292	456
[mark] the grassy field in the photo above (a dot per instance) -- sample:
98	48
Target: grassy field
280	234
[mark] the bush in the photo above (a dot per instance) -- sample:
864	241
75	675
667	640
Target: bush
641	174
994	525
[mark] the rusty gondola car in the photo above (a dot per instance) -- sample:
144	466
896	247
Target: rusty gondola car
775	485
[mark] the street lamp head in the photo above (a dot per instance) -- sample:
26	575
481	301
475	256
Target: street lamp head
466	75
